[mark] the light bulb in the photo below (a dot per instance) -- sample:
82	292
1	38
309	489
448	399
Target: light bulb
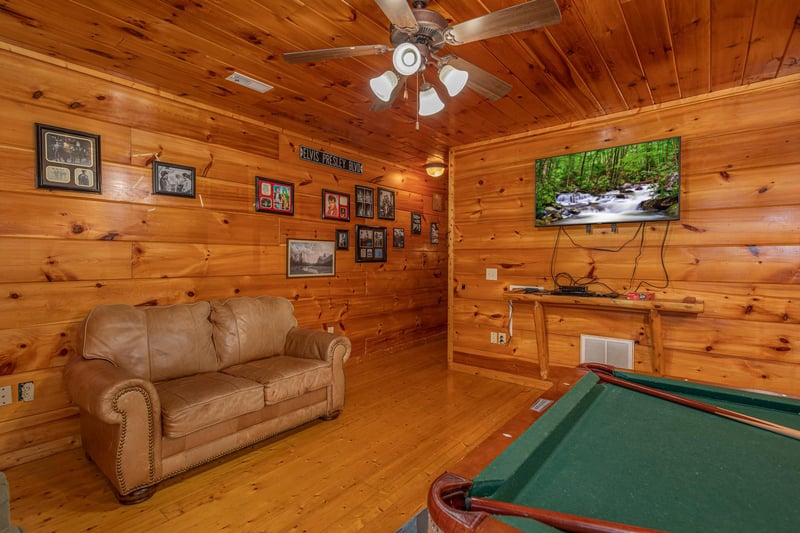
455	80
429	101
407	59
384	84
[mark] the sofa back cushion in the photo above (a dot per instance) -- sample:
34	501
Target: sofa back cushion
247	328
153	343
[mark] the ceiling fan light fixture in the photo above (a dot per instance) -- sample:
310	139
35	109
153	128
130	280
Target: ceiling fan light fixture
429	101
384	85
407	59
453	79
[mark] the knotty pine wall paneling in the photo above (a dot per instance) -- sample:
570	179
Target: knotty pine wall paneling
65	252
736	246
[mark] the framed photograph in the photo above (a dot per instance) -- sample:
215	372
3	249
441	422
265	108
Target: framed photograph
385	204
365	202
310	258
67	159
335	205
438	201
172	179
273	196
370	244
342	239
434	233
398	238
416	223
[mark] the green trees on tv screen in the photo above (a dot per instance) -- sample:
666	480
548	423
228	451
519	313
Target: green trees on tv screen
609	169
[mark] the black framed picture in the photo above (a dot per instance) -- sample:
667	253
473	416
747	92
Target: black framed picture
67	159
416	223
273	196
385	204
434	233
398	238
335	205
309	258
370	244
342	239
174	180
365	202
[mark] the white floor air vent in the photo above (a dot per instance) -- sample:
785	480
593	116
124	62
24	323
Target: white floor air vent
616	352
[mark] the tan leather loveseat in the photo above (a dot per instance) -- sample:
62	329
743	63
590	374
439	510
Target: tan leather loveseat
164	389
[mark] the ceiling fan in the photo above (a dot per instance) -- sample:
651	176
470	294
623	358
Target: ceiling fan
418	33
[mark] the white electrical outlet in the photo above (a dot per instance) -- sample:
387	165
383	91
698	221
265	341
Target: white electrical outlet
493	337
491	274
5	395
330	329
501	338
25	391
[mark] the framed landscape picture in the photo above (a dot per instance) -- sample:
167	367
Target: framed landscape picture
335	205
67	159
307	258
174	180
273	196
365	202
370	244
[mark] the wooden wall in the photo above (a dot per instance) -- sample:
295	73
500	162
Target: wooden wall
736	247
61	253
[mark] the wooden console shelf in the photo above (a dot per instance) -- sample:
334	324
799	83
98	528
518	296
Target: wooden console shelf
652	308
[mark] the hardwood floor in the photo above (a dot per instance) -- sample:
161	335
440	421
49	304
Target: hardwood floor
406	419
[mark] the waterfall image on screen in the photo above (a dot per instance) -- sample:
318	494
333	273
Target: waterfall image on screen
630	183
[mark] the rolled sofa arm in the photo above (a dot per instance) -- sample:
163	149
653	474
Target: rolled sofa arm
120	422
330	347
313	344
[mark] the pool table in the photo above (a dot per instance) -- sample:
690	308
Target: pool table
599	452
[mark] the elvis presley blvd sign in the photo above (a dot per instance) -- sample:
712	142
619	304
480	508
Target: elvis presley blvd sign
330	160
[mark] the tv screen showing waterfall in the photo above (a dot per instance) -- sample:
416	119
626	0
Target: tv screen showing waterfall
632	183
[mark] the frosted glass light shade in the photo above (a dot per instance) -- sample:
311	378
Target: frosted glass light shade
384	84
429	101
407	59
455	80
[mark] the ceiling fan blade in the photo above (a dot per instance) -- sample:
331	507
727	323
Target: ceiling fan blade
380	105
399	13
487	85
521	17
335	53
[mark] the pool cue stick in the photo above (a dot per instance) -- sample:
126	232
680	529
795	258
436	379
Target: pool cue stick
606	373
562	521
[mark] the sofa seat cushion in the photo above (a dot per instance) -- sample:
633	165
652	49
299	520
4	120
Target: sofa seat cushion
196	402
285	377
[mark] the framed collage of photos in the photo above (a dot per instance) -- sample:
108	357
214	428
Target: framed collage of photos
370	244
273	196
365	202
335	205
67	159
174	180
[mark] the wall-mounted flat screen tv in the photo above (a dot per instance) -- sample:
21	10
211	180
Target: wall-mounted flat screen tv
631	183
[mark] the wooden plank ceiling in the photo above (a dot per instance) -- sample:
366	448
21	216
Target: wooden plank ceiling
604	57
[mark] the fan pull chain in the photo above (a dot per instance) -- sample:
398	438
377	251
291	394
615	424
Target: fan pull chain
417	100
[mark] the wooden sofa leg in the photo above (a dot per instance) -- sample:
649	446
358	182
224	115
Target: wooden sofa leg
331	416
137	496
